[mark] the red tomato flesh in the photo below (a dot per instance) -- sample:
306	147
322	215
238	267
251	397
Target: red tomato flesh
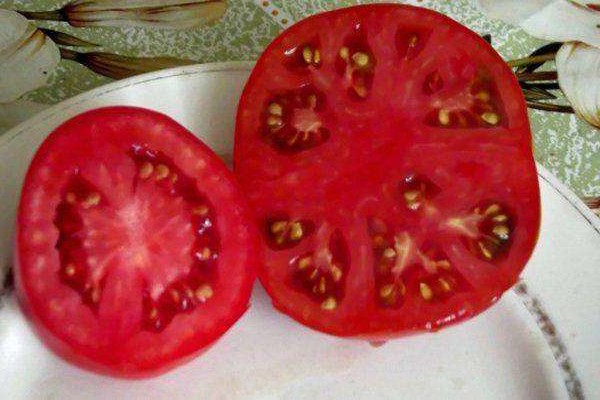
134	248
387	153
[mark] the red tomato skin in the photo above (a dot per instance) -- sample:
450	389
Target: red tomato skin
360	327
93	360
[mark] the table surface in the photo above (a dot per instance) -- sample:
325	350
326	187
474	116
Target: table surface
564	144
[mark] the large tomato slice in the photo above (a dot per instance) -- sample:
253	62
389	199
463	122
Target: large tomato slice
387	152
134	248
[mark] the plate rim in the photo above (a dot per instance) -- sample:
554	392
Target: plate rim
192	69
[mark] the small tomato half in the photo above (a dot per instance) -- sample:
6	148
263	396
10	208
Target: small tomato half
134	250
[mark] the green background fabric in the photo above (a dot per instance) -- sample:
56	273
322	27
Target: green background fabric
564	144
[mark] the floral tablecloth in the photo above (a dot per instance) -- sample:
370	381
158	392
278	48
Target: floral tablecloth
564	144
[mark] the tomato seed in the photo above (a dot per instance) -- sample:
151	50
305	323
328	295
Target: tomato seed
360	91
317	57
500	218
162	171
386	291
146	170
204	255
412	42
444	116
389	253
445	285
483	96
71	198
322	285
91	201
304	262
287	234
278	227
275	109
70	270
204	293
307	55
329	304
296	231
200	210
361	59
485	251
344	53
501	231
492	209
444	264
426	291
336	273
411	198
274	121
491	118
391	293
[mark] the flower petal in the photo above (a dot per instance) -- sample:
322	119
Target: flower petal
553	20
564	21
118	67
170	14
578	67
592	5
511	11
26	56
95	5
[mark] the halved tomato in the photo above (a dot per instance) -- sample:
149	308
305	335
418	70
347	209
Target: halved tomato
134	246
387	152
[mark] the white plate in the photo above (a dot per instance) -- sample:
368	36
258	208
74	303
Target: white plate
545	346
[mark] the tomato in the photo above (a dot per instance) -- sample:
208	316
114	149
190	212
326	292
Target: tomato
134	248
387	153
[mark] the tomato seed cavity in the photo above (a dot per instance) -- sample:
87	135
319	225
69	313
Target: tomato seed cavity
477	105
417	191
410	43
283	233
292	120
85	274
495	230
322	273
401	265
305	56
356	64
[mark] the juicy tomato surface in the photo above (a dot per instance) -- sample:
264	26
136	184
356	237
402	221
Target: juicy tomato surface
134	248
387	153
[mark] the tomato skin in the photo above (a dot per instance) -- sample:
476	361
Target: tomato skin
138	353
263	163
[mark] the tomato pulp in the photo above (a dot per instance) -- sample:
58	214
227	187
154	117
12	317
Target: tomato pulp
134	247
387	153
